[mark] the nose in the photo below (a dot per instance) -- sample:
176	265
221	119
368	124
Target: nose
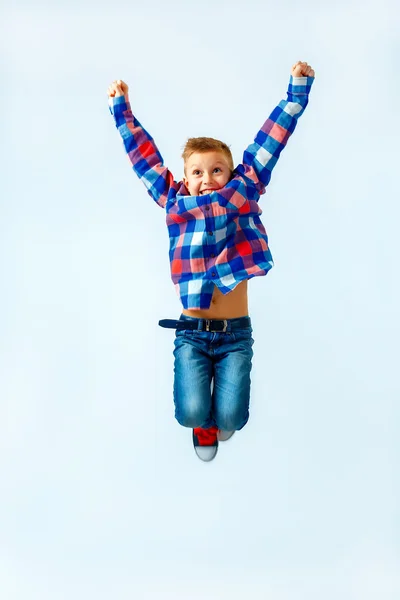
207	177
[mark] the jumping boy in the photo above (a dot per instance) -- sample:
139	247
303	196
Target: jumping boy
217	243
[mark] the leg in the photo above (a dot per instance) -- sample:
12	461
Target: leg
231	395
193	371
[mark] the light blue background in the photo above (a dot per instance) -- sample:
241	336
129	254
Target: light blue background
101	493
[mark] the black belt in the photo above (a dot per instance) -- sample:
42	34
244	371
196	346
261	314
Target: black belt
208	324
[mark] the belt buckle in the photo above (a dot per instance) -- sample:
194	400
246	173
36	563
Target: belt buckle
224	329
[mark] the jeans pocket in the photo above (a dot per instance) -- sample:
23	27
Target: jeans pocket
180	333
243	335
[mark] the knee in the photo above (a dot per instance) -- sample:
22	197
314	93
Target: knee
190	416
232	421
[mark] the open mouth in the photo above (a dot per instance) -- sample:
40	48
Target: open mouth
207	191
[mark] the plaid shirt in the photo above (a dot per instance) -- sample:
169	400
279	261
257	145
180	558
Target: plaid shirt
217	238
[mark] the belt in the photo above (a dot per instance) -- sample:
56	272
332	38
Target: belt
208	324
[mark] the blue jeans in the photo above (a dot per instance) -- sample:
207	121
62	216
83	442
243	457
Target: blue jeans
225	358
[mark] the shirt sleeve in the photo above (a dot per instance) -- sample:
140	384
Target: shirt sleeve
142	152
262	155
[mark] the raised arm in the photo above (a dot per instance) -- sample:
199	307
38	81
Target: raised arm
140	147
261	156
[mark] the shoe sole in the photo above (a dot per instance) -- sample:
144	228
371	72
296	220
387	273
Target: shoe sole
206	458
225	436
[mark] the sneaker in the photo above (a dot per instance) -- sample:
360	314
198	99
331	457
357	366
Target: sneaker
223	435
205	443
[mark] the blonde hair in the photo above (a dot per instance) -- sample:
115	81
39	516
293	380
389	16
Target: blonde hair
206	144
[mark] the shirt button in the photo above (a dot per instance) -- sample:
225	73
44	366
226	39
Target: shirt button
207	207
212	255
213	274
210	233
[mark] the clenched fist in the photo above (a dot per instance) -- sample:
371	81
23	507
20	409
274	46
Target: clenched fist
117	88
302	69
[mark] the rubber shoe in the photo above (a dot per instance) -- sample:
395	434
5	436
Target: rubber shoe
223	435
205	443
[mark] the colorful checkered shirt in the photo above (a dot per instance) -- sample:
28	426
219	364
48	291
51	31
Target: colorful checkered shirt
217	238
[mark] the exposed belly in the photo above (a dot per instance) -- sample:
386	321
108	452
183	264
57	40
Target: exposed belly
231	306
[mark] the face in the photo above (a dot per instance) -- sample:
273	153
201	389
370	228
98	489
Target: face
205	172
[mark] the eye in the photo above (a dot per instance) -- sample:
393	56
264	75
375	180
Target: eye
217	169
196	172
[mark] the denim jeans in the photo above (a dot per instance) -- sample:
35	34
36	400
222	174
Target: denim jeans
224	358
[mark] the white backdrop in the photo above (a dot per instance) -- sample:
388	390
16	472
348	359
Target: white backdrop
101	493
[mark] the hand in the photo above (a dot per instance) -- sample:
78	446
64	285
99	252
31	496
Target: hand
302	69
117	88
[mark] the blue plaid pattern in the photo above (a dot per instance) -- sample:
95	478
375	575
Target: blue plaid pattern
217	238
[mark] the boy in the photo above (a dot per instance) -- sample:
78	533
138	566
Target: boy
217	243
